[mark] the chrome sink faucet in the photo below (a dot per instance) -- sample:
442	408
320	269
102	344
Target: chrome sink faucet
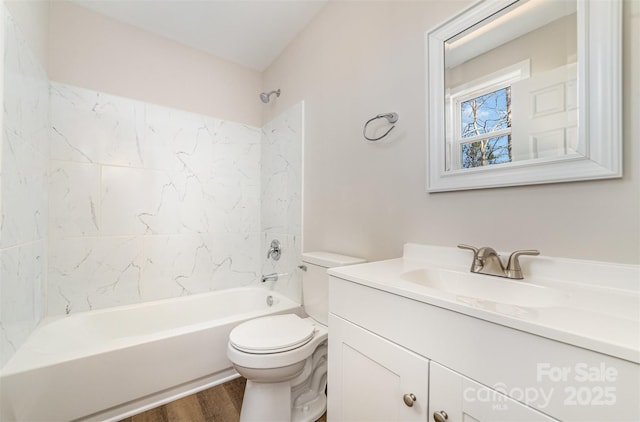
487	261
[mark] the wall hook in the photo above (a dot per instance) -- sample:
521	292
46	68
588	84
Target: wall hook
391	118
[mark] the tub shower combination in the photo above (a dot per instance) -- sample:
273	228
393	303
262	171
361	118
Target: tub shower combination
112	363
116	361
202	196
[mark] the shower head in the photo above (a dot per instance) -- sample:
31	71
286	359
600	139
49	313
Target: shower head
266	96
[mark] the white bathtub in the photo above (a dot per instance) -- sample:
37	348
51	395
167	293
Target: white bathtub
112	363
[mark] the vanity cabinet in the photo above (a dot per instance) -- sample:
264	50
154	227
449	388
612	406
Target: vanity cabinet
373	379
384	346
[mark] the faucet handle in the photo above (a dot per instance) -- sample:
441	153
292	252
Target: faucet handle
513	265
476	264
471	248
275	250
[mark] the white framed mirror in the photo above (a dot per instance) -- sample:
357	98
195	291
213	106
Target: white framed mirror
524	92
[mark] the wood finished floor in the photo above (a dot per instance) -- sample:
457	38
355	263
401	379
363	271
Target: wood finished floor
221	403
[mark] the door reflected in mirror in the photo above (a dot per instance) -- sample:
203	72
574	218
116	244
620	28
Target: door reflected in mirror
510	86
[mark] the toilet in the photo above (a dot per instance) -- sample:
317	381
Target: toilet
284	357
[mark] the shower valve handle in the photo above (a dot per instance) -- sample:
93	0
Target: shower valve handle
275	250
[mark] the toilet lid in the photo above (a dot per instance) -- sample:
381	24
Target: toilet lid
271	334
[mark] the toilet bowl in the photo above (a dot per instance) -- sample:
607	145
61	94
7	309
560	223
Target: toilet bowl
284	357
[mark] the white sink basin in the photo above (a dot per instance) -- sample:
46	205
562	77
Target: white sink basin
477	288
590	304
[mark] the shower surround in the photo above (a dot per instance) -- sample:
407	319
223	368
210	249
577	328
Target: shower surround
23	191
147	202
109	201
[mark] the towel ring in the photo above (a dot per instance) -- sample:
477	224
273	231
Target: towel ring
391	118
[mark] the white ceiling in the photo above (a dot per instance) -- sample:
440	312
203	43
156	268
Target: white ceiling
249	32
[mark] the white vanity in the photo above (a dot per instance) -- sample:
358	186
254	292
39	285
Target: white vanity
421	338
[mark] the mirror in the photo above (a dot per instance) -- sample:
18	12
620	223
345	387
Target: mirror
524	92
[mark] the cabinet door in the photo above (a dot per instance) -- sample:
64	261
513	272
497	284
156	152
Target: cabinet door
464	400
370	376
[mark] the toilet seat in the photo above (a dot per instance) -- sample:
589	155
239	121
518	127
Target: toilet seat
271	334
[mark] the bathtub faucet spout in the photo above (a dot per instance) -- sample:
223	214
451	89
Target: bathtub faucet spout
273	276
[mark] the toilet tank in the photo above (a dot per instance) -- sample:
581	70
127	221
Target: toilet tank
315	281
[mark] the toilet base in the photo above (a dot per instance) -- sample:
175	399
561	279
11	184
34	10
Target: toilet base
266	402
271	402
311	410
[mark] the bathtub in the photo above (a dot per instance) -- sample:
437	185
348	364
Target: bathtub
112	363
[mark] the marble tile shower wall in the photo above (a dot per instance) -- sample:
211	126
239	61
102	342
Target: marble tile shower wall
281	211
147	202
23	191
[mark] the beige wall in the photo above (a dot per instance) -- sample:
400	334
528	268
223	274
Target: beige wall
96	52
358	59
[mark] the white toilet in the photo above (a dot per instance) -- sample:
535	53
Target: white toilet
284	357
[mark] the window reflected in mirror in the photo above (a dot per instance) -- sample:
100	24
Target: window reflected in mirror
510	87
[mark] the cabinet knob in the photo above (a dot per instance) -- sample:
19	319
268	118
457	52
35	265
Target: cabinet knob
409	399
440	416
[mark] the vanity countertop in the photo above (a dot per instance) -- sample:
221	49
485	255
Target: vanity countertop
593	305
